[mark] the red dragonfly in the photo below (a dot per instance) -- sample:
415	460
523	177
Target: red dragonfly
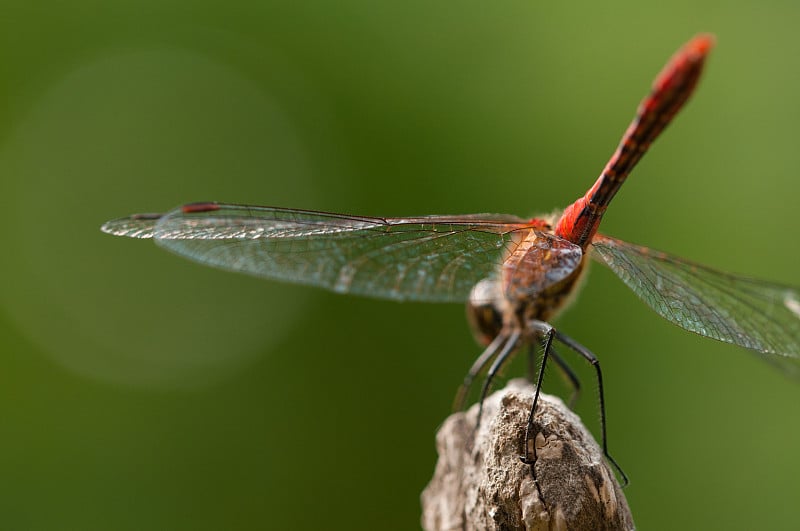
515	274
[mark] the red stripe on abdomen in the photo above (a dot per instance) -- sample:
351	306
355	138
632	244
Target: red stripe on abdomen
671	89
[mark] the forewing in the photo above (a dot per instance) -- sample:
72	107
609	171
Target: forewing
434	258
754	314
135	226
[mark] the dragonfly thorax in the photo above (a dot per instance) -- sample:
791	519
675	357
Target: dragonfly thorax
539	273
538	278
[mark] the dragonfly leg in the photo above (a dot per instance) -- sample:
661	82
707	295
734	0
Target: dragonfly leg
478	366
592	359
508	350
548	333
568	373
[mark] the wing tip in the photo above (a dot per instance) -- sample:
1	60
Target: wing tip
135	226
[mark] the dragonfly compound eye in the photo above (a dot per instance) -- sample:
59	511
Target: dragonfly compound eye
484	316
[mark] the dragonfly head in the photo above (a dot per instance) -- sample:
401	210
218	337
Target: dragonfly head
484	311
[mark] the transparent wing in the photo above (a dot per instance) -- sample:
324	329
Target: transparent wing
754	314
435	258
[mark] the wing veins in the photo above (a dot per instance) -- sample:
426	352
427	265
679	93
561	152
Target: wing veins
739	312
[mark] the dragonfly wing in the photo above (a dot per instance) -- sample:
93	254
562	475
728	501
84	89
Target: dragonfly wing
434	258
754	314
135	226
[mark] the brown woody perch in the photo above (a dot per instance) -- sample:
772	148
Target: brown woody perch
480	482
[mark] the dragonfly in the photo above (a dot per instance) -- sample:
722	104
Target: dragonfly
515	274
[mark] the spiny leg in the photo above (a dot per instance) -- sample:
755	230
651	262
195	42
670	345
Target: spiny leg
548	332
509	349
591	358
566	371
478	366
570	376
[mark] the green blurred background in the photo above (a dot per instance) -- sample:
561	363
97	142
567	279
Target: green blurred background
141	391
